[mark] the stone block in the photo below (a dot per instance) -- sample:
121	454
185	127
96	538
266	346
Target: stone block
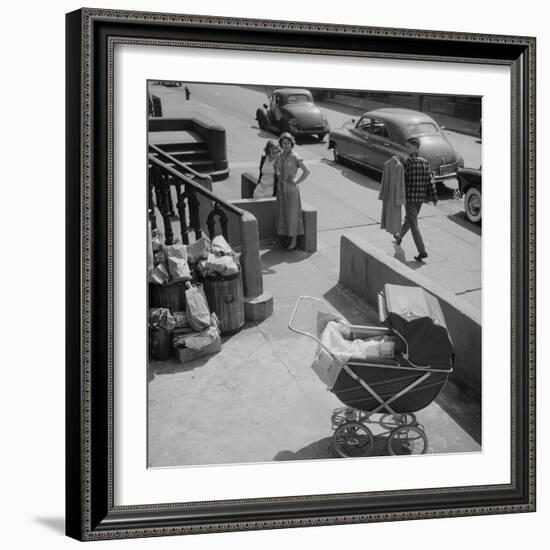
259	307
248	184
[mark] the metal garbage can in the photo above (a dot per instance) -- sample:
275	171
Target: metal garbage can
171	296
224	294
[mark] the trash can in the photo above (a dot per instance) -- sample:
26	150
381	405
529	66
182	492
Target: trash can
171	296
224	294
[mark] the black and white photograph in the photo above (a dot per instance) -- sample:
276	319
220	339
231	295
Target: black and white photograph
314	267
275	305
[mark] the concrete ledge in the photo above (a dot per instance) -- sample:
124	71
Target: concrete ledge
308	241
265	211
248	184
365	269
258	308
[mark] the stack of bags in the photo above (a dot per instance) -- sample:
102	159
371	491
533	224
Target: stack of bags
178	262
170	262
194	332
220	261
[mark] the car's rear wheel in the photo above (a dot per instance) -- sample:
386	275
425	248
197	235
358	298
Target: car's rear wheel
472	204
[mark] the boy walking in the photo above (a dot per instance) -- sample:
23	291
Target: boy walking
419	185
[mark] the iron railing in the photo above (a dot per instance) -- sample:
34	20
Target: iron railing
168	174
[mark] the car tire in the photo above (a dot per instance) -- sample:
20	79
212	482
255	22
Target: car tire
472	204
261	117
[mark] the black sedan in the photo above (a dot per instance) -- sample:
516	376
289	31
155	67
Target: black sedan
382	133
292	110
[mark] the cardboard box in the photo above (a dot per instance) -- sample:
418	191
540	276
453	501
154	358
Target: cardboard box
185	355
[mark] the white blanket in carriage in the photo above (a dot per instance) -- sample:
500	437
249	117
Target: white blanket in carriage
332	332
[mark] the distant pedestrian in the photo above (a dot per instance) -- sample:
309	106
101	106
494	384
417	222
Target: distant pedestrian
187	93
419	186
289	205
267	180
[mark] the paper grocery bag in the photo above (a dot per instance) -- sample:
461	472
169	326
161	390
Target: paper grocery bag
198	313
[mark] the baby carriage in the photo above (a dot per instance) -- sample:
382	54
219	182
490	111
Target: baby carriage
383	374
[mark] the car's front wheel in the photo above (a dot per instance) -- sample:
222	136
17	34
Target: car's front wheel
261	117
472	204
336	154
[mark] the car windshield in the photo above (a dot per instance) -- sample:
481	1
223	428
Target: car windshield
297	98
423	129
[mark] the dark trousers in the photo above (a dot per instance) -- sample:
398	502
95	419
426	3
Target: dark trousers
412	209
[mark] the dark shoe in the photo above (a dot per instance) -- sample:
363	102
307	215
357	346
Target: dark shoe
291	246
421	256
397	239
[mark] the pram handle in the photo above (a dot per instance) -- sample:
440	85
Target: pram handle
357	329
309	334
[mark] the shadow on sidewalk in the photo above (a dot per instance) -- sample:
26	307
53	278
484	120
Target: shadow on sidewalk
324	449
463	407
278	255
460	219
399	255
354	311
263	134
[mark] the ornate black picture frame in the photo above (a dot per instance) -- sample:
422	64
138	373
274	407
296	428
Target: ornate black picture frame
90	510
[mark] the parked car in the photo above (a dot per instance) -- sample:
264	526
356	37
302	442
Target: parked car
382	133
469	185
292	110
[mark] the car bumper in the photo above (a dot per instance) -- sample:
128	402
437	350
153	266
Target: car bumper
443	177
447	171
310	131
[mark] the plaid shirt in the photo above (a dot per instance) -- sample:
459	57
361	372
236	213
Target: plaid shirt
419	184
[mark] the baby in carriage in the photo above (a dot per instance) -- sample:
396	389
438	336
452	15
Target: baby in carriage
338	346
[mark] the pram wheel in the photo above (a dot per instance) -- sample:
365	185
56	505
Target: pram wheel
342	415
353	440
407	440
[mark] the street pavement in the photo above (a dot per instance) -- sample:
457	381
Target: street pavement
258	400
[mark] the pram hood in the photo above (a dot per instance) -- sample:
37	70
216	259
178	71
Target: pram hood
417	318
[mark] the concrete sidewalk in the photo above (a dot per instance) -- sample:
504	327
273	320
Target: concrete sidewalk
361	105
258	399
453	243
